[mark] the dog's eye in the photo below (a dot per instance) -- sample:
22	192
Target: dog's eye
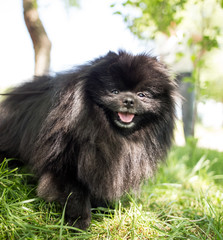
115	91
140	94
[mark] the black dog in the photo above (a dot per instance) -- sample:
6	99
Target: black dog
95	132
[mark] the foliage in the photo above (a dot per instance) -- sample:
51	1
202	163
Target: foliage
72	3
199	21
214	90
158	15
183	202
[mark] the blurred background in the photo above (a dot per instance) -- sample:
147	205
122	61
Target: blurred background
46	36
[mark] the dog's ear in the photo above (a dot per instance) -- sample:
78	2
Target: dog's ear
111	54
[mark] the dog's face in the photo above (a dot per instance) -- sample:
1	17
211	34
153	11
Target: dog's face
129	109
133	91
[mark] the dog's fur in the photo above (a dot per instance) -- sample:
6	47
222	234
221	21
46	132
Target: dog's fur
75	131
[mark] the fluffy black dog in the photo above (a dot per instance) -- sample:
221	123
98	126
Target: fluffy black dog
93	133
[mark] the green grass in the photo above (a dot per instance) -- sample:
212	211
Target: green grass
184	201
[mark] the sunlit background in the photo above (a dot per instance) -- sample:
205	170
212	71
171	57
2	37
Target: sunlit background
80	34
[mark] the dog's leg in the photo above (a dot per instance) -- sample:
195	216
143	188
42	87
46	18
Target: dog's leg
75	196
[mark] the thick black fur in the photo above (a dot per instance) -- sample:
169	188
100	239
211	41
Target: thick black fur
70	131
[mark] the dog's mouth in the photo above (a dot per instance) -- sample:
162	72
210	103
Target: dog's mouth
125	119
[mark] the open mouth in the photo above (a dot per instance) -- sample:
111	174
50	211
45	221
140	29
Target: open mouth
125	120
126	117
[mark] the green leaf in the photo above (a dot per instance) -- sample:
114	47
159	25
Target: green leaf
193	58
118	13
74	3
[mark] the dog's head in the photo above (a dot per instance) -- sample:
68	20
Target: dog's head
132	90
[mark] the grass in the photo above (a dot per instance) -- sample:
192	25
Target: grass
184	201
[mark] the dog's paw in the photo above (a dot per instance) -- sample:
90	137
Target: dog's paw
81	223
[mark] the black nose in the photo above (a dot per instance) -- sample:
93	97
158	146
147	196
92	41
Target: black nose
128	102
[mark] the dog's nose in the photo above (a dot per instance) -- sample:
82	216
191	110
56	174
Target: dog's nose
128	102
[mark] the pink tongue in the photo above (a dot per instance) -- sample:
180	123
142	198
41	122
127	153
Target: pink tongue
126	117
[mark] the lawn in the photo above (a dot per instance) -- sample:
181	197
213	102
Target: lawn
183	201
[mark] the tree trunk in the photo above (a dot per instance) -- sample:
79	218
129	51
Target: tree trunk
41	42
188	105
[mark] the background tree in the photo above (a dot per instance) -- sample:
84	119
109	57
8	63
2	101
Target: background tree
41	42
196	27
